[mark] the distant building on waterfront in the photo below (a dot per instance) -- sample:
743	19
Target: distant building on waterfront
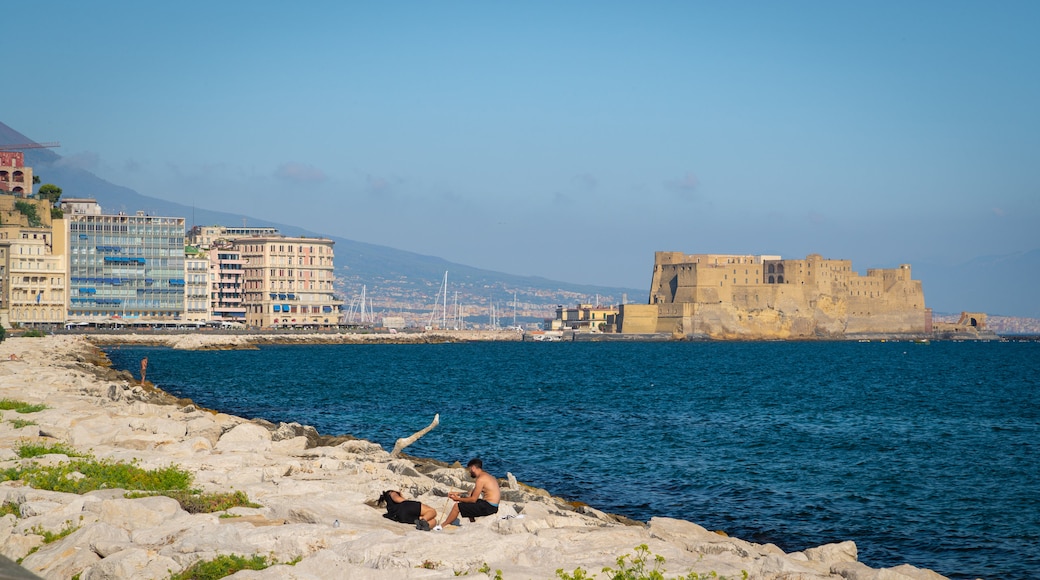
33	273
208	236
196	286
584	318
288	282
766	297
32	278
226	271
123	266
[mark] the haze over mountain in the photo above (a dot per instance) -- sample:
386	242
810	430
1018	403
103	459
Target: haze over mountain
1001	284
413	278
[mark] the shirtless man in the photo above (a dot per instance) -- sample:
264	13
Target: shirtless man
472	505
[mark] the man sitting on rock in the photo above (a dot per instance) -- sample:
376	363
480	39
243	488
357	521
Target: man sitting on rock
473	505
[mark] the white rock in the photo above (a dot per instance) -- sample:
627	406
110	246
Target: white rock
245	437
145	512
62	559
832	553
289	446
133	563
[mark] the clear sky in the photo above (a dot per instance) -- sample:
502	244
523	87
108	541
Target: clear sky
564	139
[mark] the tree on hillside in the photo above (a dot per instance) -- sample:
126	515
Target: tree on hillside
50	192
29	211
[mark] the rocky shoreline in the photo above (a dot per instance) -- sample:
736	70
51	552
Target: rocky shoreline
244	341
314	494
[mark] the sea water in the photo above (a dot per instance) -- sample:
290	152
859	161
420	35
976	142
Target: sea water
921	453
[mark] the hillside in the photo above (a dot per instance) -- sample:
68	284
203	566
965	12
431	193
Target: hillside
397	281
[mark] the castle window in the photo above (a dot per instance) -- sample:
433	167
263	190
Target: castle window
771	279
779	279
771	269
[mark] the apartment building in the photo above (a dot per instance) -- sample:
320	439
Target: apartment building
123	266
288	282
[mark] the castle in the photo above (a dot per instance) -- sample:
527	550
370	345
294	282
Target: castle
750	297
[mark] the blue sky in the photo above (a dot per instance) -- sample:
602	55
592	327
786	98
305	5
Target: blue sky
568	140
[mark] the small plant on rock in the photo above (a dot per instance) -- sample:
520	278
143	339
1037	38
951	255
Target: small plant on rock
86	474
226	565
20	406
486	569
203	503
50	537
10	508
642	565
30	449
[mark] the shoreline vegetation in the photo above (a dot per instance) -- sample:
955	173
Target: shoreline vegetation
191	488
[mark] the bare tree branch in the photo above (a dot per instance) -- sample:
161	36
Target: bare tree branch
405	442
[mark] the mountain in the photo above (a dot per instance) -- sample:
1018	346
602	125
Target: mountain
406	282
397	281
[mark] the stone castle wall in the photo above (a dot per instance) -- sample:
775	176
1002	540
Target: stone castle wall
756	298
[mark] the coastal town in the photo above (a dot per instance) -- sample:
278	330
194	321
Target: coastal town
67	263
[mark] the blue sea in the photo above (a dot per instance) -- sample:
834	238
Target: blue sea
924	454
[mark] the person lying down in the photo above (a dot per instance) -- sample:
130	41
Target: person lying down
407	511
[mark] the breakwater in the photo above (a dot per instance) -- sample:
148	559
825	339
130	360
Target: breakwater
919	453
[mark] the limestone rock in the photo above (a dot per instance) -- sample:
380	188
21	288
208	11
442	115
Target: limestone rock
145	512
833	553
61	559
291	446
245	437
134	563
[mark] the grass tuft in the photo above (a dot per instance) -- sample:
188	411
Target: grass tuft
20	406
83	475
222	566
10	508
19	423
49	536
203	503
29	449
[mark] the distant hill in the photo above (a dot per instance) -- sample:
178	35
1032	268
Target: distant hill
397	281
401	281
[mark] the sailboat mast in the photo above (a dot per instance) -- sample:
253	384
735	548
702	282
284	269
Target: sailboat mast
444	303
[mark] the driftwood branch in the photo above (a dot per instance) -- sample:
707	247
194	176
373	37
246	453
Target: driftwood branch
406	441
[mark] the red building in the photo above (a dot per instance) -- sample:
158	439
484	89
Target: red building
15	177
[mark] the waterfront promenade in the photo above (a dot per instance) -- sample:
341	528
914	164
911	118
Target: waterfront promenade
304	484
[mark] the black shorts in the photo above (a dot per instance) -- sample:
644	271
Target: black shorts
405	512
477	509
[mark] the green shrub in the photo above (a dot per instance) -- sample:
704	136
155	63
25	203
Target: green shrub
203	503
642	565
222	566
29	211
19	423
29	449
34	333
20	406
10	508
49	536
96	474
